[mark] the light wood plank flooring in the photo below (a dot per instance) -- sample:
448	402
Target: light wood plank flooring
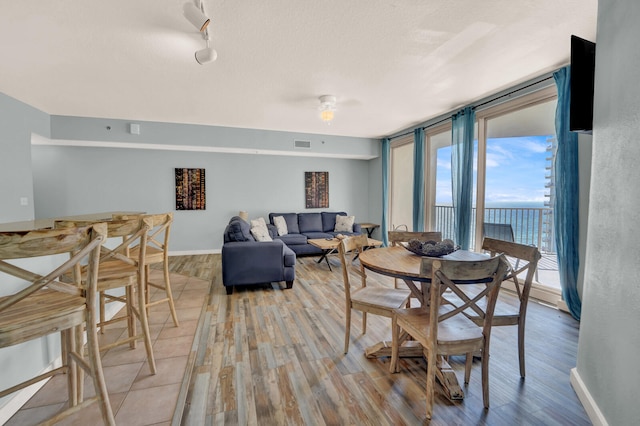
271	356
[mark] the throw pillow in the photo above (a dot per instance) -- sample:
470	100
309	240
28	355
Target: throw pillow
344	223
261	233
259	230
281	225
258	222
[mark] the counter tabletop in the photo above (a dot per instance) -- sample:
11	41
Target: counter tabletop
31	225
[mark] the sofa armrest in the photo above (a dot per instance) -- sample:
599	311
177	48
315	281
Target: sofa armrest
252	262
357	229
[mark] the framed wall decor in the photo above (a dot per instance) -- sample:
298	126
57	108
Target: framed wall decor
190	189
316	186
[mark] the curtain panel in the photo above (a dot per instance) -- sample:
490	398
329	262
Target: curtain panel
384	225
566	208
462	174
418	180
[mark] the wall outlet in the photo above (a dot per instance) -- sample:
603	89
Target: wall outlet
24	201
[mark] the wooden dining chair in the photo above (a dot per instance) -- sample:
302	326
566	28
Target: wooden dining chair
397	237
367	299
46	304
121	272
442	328
157	251
525	259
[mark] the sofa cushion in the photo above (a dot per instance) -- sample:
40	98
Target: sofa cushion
290	218
238	230
281	225
309	222
329	220
293	239
344	223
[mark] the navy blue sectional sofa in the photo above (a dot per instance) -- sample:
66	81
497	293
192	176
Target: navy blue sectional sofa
246	261
305	226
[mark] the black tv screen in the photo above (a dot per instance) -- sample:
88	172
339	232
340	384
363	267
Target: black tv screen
583	64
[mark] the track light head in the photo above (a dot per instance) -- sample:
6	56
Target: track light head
196	16
206	55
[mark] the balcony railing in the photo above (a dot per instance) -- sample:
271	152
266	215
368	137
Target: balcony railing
532	226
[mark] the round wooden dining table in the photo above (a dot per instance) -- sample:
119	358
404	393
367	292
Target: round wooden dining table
398	262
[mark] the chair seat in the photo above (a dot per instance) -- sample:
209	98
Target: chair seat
152	254
28	319
115	274
379	297
455	330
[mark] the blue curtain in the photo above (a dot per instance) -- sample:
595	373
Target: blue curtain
566	208
386	153
418	180
462	174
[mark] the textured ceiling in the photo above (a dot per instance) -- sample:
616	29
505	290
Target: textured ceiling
390	63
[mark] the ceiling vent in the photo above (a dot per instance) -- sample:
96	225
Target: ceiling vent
302	144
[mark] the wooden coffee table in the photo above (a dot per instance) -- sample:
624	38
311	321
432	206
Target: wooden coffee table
330	245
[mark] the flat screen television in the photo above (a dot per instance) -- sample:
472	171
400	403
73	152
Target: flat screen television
583	64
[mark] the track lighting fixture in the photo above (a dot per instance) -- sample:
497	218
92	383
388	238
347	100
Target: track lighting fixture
206	55
196	16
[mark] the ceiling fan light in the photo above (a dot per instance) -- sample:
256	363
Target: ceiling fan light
206	55
327	108
326	115
196	17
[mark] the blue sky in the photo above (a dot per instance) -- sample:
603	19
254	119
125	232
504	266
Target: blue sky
515	171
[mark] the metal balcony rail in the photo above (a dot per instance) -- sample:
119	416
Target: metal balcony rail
531	225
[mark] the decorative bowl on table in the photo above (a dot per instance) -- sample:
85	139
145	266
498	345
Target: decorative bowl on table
431	248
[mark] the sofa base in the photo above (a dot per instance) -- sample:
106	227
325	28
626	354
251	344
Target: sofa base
229	288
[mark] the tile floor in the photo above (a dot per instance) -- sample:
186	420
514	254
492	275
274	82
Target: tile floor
137	397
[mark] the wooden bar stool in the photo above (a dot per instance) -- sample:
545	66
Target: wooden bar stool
48	304
157	251
120	271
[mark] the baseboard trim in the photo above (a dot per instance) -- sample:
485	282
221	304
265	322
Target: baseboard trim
589	404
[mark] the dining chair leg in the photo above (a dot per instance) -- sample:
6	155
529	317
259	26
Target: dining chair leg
485	377
432	364
95	364
521	345
364	323
77	346
347	330
167	287
144	323
131	321
66	340
467	367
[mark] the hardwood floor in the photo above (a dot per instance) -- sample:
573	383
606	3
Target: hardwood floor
270	356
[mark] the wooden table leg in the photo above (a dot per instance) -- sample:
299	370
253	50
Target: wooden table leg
325	253
411	349
447	378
